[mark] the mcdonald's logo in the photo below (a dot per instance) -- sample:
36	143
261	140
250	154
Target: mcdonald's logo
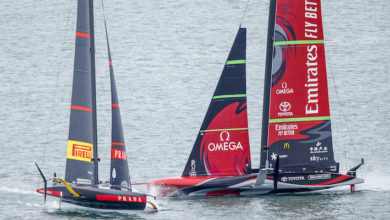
286	146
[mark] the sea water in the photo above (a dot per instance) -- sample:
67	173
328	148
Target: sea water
168	56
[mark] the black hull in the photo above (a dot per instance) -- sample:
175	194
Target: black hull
99	198
245	185
104	205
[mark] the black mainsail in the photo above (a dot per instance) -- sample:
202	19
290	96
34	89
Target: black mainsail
222	144
82	144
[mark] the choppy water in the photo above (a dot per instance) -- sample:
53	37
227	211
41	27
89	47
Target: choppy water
168	56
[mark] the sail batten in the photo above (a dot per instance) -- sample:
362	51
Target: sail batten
294	42
231	62
81	34
229	96
82	108
224	129
320	118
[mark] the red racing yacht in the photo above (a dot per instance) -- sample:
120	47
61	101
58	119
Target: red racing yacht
296	140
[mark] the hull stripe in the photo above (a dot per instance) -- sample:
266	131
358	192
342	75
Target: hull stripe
117	198
117	143
115	105
338	179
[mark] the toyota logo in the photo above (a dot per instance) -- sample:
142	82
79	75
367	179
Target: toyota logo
285	106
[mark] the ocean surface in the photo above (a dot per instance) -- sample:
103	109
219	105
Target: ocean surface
168	56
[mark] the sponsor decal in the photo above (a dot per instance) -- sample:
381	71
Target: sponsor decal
285	108
282	156
312	80
113	174
121	198
338	179
311	32
118	154
333	168
124	183
225	144
317	159
275	156
286	129
224	147
227	136
292	178
311	16
78	150
322	176
193	168
286	145
284	90
83	181
129	199
318	149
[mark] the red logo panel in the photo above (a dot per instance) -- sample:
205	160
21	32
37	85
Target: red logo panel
118	154
225	146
